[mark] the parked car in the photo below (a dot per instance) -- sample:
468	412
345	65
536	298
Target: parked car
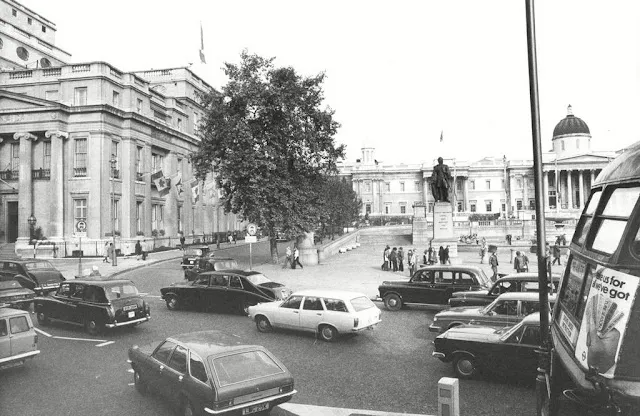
13	295
328	313
210	263
35	274
433	285
519	282
510	350
508	309
95	304
211	372
236	289
18	338
192	254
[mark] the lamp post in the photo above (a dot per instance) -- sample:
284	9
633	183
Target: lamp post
113	161
32	223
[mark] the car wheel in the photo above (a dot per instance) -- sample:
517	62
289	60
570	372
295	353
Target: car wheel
464	366
141	385
186	408
328	333
393	302
92	327
172	303
43	319
263	324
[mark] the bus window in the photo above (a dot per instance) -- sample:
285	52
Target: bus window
571	291
613	221
585	222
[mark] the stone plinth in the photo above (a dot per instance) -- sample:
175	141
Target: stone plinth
443	234
308	251
420	232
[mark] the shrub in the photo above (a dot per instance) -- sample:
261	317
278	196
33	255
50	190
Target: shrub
162	232
154	232
141	233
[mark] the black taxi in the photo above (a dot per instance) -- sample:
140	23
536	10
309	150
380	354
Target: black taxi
95	304
36	274
192	254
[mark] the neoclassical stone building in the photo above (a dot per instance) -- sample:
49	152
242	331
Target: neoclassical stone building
489	185
88	148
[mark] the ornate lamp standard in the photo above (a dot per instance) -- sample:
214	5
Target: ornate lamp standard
32	223
113	161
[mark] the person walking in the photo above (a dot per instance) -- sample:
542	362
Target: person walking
556	253
447	260
441	254
393	258
431	255
138	250
525	262
400	259
182	240
493	261
483	250
287	258
410	260
296	258
519	262
105	253
414	262
110	251
385	259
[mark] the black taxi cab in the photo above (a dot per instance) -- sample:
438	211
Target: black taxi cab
95	304
36	274
192	254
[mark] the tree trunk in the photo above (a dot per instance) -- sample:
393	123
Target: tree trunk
273	245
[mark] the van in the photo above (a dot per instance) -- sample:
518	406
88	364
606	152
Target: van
18	338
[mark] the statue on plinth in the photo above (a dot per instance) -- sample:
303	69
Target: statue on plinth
440	182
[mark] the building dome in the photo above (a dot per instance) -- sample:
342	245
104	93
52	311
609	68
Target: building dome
571	126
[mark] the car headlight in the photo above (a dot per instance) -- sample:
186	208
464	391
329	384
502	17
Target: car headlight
435	319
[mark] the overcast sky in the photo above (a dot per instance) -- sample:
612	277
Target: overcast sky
398	72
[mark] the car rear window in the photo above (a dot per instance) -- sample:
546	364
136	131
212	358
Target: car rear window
38	265
19	324
361	303
120	291
257	279
237	368
193	252
225	264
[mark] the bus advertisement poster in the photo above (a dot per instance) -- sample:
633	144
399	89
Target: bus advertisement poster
605	319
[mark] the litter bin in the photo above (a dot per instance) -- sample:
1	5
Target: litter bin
77	253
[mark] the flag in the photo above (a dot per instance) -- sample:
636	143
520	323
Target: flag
195	191
441	135
177	183
160	182
202	45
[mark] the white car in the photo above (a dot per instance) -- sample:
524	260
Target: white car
328	313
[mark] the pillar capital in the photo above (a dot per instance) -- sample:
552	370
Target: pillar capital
56	134
25	135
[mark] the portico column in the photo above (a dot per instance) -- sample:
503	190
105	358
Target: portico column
593	176
581	188
545	189
25	195
569	191
525	200
56	212
466	194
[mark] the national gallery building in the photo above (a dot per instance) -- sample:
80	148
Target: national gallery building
487	186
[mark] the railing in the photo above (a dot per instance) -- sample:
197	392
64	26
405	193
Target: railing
79	172
20	74
81	68
139	176
115	173
9	175
41	174
52	72
115	73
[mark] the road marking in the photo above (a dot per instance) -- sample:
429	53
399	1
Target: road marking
105	343
43	333
130	370
132	384
81	339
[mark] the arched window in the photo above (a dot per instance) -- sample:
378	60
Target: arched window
22	53
45	63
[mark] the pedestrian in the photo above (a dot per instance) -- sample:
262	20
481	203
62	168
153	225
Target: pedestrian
138	250
182	240
483	250
145	250
509	237
287	259
431	255
296	258
393	258
95	271
425	257
447	260
385	258
516	262
556	253
110	251
230	238
520	263
414	261
400	259
525	262
105	253
441	255
493	261
410	260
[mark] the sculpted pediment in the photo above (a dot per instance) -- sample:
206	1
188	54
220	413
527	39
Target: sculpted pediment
14	101
585	158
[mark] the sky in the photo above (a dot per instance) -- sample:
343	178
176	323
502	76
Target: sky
398	73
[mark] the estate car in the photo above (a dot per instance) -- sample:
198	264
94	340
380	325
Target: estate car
211	372
95	304
432	285
35	274
18	338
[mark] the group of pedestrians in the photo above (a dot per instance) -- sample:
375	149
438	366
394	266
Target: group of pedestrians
292	258
393	259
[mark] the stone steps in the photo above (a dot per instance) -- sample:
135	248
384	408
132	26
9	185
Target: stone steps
8	251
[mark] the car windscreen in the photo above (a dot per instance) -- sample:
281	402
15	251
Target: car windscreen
225	264
483	279
38	265
193	252
124	290
361	303
258	279
245	366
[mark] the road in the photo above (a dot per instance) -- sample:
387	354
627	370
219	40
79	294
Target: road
387	369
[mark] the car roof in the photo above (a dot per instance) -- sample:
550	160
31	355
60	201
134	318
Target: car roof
104	281
239	272
206	343
22	261
532	296
527	276
454	267
329	293
4	312
199	246
533	318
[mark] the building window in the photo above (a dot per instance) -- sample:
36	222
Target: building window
458	186
401	186
157	162
195	122
472	206
139	105
387	186
488	205
115	210
387	208
115	99
430	207
488	183
459	206
519	183
157	217
115	155
416	186
472	185
562	144
179	213
80	159
14	12
367	208
22	53
179	124
44	29
139	176
532	204
80	96
29	20
367	186
138	216
46	161
503	207
51	95
403	209
80	209
519	204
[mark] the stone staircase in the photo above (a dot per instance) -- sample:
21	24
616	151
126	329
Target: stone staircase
8	251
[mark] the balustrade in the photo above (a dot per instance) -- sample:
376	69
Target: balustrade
41	173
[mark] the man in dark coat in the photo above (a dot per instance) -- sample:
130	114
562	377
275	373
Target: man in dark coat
441	255
393	258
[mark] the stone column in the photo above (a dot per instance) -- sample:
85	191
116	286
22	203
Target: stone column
581	188
525	199
25	193
56	213
569	191
593	176
466	194
170	201
545	190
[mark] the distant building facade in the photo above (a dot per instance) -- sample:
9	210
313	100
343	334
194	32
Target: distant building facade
87	149
487	186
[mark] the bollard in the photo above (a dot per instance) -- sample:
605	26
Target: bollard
448	397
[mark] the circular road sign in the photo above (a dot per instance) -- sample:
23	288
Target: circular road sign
81	226
252	229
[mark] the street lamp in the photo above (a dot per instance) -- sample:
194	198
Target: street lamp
32	223
113	161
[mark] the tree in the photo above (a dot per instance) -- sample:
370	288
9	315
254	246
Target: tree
341	205
270	145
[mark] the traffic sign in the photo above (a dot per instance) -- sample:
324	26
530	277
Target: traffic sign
79	234
252	229
251	239
81	226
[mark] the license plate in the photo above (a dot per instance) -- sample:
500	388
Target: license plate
132	314
129	307
256	408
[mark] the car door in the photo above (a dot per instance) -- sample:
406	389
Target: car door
287	315
158	365
503	313
311	314
463	281
236	294
172	378
22	338
521	357
73	308
419	287
56	306
196	293
442	287
5	341
216	293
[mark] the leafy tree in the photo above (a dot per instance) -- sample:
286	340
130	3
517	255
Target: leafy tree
270	145
341	205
